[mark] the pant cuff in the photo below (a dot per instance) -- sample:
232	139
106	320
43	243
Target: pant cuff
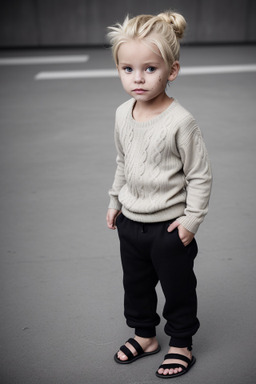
181	343
145	332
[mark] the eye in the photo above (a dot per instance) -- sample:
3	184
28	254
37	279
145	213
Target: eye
127	69
151	69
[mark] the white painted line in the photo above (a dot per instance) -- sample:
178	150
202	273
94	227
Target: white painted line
101	73
218	69
44	60
77	74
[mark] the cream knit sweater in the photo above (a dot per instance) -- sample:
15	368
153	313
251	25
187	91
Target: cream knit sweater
163	171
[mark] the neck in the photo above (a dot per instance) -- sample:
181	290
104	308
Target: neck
145	110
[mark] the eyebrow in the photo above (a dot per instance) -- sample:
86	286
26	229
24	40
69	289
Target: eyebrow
147	63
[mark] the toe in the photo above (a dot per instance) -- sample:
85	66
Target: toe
121	356
175	371
166	372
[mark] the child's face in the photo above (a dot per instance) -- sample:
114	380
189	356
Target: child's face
142	71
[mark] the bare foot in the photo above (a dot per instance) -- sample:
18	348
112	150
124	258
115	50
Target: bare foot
181	351
147	344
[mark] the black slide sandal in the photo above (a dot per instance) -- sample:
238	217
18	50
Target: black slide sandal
176	356
131	357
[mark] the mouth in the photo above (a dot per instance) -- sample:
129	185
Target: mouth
139	90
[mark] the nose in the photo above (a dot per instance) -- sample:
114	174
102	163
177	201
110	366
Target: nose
139	78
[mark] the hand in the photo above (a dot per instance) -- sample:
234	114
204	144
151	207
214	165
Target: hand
185	235
111	218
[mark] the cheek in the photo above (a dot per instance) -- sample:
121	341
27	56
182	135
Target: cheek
158	82
124	81
162	81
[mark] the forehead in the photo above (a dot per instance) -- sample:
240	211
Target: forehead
139	51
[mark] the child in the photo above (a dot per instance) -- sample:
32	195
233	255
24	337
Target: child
160	192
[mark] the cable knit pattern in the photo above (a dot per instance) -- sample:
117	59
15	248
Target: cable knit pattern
163	171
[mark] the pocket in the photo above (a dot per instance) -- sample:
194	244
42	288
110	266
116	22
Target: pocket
178	236
174	238
191	248
193	241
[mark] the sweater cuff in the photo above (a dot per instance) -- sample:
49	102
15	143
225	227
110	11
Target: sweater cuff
190	223
114	203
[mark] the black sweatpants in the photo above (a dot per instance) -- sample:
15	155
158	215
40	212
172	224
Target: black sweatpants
150	254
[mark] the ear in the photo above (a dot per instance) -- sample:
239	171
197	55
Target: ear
174	71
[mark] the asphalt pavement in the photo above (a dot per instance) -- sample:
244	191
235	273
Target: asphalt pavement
61	318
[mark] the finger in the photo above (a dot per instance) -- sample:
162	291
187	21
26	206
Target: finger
173	225
113	223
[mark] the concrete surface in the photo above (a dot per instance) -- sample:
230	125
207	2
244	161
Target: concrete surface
61	318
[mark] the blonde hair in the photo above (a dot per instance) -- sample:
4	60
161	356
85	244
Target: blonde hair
164	30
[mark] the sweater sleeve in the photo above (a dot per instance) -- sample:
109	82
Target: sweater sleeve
119	179
197	171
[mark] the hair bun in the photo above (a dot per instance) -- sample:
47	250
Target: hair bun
176	20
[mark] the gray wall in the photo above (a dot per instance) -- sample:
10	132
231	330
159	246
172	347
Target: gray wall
83	22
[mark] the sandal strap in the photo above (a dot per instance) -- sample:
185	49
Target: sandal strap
136	346
126	351
177	356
